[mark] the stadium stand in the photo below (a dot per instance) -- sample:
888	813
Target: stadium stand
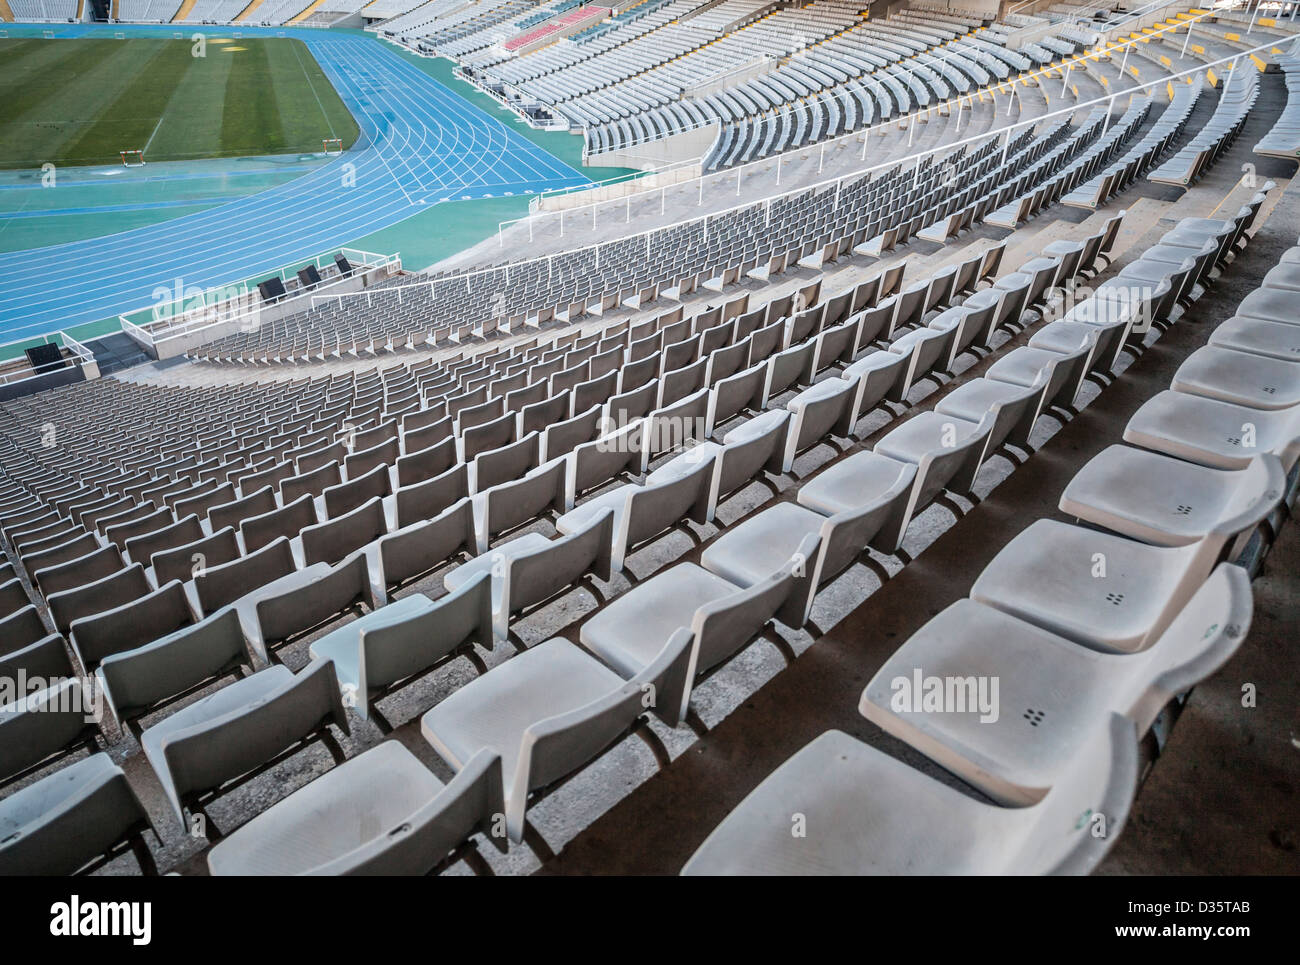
536	516
44	10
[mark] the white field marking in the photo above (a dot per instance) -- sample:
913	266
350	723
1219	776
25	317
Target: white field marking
307	78
155	131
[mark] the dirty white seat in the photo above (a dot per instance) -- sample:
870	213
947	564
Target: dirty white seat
240	727
1270	304
405	638
1158	499
934	438
547	712
853	482
382	812
532	568
818	411
1014	408
1214	433
862	812
722	617
1240	378
750	552
136	679
1106	591
642	512
60	823
1049	691
1273	339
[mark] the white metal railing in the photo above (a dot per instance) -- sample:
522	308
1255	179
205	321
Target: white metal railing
946	107
190	311
135	332
79	352
958	103
894	65
250	318
837	182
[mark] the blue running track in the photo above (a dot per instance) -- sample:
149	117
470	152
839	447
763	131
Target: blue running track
420	144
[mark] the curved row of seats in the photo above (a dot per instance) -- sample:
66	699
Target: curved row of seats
813	407
1133	608
1283	138
635	271
225	627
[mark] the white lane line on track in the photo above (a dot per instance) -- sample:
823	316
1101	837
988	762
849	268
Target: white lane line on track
216	237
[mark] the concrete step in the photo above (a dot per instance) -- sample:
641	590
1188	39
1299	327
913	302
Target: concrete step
116	352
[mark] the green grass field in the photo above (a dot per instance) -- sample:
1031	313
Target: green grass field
84	101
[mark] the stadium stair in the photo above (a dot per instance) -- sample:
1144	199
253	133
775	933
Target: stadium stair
244	14
184	11
6	14
116	352
311	8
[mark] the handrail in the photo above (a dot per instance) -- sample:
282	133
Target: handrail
1056	67
864	133
79	351
224	300
232	311
830	183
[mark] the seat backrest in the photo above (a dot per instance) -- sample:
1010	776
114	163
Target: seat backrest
287	521
489	435
480	414
596	391
427	463
1078	821
397	650
347	496
225	583
748	449
363	461
673	425
66	547
79	571
272	476
111	591
723	626
1199	640
538	575
606	457
561	438
334	539
42	723
512	504
232	513
209	754
311	483
424	500
143	547
131	625
308	460
22	627
200	504
418	438
425	544
184	561
653	508
511	461
790	367
305	606
537	416
766	341
135	680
